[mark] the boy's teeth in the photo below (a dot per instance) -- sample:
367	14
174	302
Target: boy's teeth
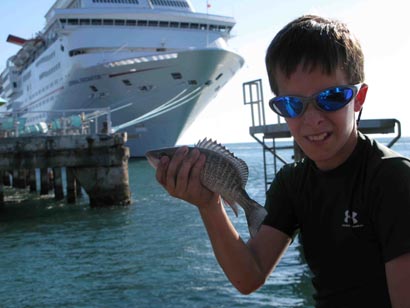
317	137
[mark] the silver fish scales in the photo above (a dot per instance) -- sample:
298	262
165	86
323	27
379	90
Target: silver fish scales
224	174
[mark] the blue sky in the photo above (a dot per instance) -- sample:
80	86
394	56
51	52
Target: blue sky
380	25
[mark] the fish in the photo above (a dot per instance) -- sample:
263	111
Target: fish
225	174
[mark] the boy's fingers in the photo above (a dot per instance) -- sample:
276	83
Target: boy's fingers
184	173
161	172
173	167
197	168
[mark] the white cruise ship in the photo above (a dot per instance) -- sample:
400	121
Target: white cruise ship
154	63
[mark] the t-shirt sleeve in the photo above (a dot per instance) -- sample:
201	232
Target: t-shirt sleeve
279	205
392	215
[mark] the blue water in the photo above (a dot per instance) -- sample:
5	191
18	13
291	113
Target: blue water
154	253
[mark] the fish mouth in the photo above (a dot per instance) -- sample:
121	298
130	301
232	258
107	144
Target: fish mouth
152	159
154	156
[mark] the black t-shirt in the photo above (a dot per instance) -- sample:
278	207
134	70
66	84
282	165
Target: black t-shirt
352	220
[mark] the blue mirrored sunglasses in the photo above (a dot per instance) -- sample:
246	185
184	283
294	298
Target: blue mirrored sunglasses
330	99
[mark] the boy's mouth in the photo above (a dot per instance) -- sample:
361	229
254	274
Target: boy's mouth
318	137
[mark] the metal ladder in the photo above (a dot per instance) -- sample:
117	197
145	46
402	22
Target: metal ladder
272	160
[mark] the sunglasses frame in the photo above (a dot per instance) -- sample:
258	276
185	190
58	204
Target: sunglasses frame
313	98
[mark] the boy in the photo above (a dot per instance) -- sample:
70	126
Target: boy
349	198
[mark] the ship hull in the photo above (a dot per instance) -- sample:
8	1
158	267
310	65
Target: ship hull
153	101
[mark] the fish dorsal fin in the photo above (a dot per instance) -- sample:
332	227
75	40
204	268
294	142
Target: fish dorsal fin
239	164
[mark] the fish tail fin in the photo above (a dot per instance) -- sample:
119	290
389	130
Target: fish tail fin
255	214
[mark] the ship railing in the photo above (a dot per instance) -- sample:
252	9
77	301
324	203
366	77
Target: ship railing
62	122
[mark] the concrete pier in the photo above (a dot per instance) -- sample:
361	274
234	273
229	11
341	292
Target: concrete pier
98	163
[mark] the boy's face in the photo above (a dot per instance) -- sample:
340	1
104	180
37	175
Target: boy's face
328	138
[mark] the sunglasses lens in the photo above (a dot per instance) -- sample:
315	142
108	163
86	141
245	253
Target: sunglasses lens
335	98
287	106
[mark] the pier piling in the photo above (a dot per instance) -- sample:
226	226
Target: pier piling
1	189
44	185
32	180
58	184
6	178
71	186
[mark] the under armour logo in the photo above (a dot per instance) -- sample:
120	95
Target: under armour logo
351	216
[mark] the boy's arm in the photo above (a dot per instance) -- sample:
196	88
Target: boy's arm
246	265
398	280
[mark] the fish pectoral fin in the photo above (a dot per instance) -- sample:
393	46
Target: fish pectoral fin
232	204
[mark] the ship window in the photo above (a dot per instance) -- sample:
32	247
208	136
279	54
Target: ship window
203	26
119	22
127	82
152	23
174	24
96	22
170	3
176	75
94	88
163	24
194	26
192	82
76	52
130	22
142	23
146	88
72	21
219	76
108	22
184	25
84	21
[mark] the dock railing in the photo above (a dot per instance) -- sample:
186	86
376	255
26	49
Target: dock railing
60	122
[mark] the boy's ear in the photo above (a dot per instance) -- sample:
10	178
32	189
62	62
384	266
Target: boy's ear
360	97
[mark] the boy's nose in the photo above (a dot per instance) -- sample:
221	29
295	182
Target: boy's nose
313	115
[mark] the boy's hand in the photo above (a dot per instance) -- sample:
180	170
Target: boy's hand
180	176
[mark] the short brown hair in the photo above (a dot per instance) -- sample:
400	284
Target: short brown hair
315	41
